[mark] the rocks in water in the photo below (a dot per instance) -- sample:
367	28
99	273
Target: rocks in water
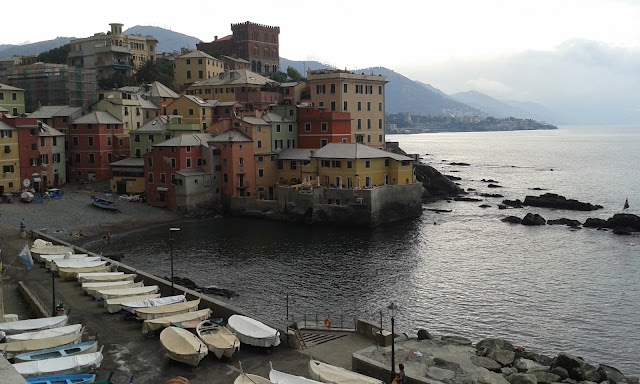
455	178
435	183
423	334
552	200
494	186
564	221
546	377
502	356
463	198
568	361
538	358
517	203
491	195
460	164
471	189
512	220
561	372
486	362
537	189
621	223
488	181
527	366
439	210
611	374
484	206
209	290
455	340
595	223
533	219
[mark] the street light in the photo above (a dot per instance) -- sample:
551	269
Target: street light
172	231
393	310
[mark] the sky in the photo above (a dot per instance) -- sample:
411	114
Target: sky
527	50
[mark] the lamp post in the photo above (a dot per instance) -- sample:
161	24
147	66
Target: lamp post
393	310
172	231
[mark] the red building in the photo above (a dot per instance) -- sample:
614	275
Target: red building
317	127
95	141
237	164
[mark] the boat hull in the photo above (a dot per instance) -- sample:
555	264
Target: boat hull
67	350
72	379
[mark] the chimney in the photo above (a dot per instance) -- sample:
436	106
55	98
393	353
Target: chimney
215	38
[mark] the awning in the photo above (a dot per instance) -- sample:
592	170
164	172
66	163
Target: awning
162	189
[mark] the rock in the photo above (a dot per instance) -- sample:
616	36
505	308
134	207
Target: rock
632	380
522	378
545	377
424	335
624	221
484	206
585	372
526	365
491	378
462	198
595	223
440	374
435	183
513	203
568	361
621	232
488	181
506	371
471	189
494	186
570	381
538	358
563	373
502	206
564	221
445	364
512	220
533	219
454	178
501	356
495	343
455	340
486	362
537	189
491	195
460	164
552	200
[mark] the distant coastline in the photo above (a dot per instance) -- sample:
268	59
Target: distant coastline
429	124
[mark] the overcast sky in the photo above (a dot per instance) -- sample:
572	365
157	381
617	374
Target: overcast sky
528	50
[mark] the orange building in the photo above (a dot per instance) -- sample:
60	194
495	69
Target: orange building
237	165
317	127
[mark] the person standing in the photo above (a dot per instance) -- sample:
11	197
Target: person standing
401	378
22	225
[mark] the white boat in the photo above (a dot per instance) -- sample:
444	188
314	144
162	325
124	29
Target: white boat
72	273
87	262
91	291
60	365
220	340
17	347
90	275
124	292
248	378
253	332
48	259
27	196
150	313
131	306
30	325
149	326
183	346
37	251
278	377
331	374
121	276
115	305
53	332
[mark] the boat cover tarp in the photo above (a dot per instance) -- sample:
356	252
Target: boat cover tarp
97	279
129	284
337	375
163	322
247	378
96	274
115	305
73	379
253	332
183	344
43	334
218	338
60	365
28	325
113	293
67	256
17	347
104	284
72	273
287	378
87	262
149	313
36	252
132	305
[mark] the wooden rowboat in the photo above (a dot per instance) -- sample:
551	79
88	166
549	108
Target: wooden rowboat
18	347
331	374
68	379
221	341
72	273
183	346
60	365
65	350
248	378
31	325
44	334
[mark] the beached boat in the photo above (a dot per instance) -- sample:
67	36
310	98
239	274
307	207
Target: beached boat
279	377
65	350
115	305
219	339
31	325
183	346
248	378
150	313
87	262
67	379
105	204
72	273
91	275
131	306
121	276
27	197
253	332
48	259
18	347
149	326
46	333
327	373
124	292
60	365
37	251
91	291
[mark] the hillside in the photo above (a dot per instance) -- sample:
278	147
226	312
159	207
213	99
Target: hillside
168	41
8	50
500	109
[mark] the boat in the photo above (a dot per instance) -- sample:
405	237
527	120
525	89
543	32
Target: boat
87	262
68	379
131	306
626	204
105	294
279	377
327	373
183	346
91	291
48	259
121	276
72	273
248	378
150	313
115	305
60	365
105	204
149	326
27	197
18	347
253	332
219	339
65	350
91	275
30	325
37	251
46	333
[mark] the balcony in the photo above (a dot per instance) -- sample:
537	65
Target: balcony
111	48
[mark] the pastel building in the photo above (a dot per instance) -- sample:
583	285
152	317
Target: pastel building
317	127
157	93
9	158
237	164
195	66
156	131
193	110
11	100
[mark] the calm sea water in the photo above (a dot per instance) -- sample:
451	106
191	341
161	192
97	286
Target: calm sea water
466	273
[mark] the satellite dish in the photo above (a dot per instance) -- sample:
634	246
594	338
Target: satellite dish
26	183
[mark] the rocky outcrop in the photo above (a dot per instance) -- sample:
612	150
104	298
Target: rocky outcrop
552	200
533	219
435	184
512	220
423	334
621	223
564	221
513	203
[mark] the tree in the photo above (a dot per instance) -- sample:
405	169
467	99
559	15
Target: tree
56	56
155	71
294	74
279	77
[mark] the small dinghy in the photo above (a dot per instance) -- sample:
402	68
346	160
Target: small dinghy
150	313
30	325
279	377
132	306
72	273
41	248
65	350
97	274
183	346
121	276
91	291
68	379
44	334
336	375
87	262
60	365
248	378
115	305
48	259
253	332
124	292
220	340
149	326
17	347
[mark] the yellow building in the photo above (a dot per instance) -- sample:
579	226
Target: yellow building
11	100
127	176
193	110
363	96
195	66
9	159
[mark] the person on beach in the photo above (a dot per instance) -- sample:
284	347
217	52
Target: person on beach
400	378
22	225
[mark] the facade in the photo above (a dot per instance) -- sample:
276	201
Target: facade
294	166
53	156
193	110
237	166
128	109
12	99
292	92
96	140
195	66
256	43
317	127
233	63
157	93
9	158
127	176
112	52
363	96
53	84
160	129
58	116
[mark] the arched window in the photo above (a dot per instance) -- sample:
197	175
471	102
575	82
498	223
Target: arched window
275	68
255	50
266	52
273	53
259	67
253	66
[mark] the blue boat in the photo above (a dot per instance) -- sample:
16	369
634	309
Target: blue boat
105	204
65	350
67	379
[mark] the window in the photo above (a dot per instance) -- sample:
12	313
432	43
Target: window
188	74
126	112
359	123
224	178
90	141
77	160
279	144
293	165
75	141
344	88
7	149
55	157
190	111
150	177
349	164
6	134
277	127
34	147
54	141
332	88
359	106
380	138
151	138
380	107
188	162
7	168
42	141
386	162
188	61
307	127
150	162
259	143
367	164
200	75
333	106
188	149
92	158
163	178
280	164
345	106
173	163
368	105
14	96
136	138
241	161
379	89
368	123
109	141
260	172
323	142
260	159
290	127
368	138
379	123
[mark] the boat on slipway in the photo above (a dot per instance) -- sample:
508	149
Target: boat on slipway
44	334
253	332
249	378
279	377
150	313
219	339
149	326
67	379
105	294
105	204
31	325
133	305
121	276
87	262
115	305
91	291
72	273
62	351
61	365
183	346
17	347
331	374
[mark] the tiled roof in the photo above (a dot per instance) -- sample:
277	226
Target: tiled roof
295	154
236	59
199	101
49	131
129	162
97	117
6	87
47	111
237	77
189	140
196	54
158	124
232	135
355	151
6	127
255	120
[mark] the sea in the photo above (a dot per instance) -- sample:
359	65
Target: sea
460	271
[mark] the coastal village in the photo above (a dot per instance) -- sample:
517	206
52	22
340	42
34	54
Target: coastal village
231	138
